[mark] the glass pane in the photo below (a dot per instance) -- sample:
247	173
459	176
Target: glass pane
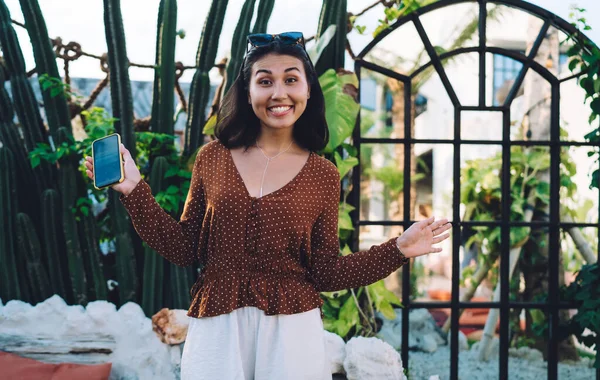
529	262
506	27
579	202
481	191
452	27
564	60
382	106
402	50
382	183
434	112
576	359
531	109
578	247
429	353
463	73
574	112
502	72
530	181
481	125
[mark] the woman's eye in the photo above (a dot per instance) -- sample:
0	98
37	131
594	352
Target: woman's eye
292	80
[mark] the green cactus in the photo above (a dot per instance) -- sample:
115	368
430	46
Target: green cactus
238	42
118	65
29	250
9	280
125	265
167	33
56	108
25	103
333	12
200	87
265	8
154	264
53	245
68	190
97	288
180	284
155	85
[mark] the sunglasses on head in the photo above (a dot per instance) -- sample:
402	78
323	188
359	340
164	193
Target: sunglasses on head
287	38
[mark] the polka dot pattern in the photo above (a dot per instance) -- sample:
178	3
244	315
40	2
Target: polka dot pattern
276	252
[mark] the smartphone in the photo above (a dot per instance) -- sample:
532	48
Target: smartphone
108	161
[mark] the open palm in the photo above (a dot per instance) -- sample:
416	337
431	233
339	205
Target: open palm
419	238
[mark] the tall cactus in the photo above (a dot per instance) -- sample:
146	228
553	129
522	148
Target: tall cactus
118	65
30	251
238	42
333	12
97	288
68	190
120	88
166	67
9	280
56	109
200	88
52	236
24	99
265	8
154	264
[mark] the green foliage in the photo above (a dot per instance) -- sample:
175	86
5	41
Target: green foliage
341	107
584	57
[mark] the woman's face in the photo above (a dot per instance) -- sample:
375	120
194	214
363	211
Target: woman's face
278	90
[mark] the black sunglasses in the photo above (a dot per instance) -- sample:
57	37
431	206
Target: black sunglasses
287	38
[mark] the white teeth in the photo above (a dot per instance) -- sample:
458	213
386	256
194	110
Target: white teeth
280	109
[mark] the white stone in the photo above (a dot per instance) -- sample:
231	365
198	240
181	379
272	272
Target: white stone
335	348
428	343
463	342
372	358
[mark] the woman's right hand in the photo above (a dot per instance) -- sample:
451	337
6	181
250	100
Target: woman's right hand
131	172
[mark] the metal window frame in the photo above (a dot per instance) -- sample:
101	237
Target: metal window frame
554	225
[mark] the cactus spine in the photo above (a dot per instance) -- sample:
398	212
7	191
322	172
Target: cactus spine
333	12
57	111
29	249
166	67
200	88
9	281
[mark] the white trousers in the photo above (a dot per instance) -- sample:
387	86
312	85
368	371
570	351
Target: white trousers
246	344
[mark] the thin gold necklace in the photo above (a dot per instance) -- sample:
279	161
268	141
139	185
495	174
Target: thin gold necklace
267	165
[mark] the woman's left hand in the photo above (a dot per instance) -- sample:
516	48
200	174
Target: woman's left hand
419	238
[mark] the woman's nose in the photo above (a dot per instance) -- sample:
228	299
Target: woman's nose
279	92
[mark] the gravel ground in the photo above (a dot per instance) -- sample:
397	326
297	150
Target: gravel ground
423	365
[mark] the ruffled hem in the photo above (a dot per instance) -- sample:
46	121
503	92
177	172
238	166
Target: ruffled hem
276	294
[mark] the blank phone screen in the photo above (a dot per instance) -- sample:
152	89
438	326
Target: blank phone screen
107	164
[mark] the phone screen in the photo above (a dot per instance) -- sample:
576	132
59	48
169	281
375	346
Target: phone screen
107	163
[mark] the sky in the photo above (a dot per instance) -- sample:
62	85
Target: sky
82	21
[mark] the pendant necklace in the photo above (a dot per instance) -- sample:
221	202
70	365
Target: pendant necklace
267	165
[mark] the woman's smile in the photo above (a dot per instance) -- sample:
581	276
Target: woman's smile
280	110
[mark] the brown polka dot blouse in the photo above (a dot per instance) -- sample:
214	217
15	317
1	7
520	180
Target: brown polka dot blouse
276	252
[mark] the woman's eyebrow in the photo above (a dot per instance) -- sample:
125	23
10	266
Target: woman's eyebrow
270	72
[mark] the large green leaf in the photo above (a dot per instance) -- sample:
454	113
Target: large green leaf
341	108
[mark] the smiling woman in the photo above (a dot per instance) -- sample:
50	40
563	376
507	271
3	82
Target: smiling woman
261	217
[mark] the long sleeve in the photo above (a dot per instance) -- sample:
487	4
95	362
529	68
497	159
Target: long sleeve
332	272
175	241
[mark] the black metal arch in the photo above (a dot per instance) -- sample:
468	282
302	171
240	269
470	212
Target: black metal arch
555	144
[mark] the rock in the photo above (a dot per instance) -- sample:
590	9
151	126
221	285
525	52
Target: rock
336	351
526	353
372	358
171	325
434	377
421	324
463	343
428	343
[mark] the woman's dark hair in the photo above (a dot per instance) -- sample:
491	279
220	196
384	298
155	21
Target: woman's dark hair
237	125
